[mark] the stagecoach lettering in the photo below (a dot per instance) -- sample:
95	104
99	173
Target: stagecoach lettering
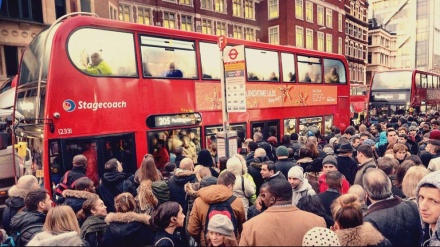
65	131
99	105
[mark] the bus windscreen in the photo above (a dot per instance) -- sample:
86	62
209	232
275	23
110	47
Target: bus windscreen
392	80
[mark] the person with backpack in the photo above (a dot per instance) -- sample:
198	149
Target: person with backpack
166	219
114	182
69	179
28	222
15	202
212	200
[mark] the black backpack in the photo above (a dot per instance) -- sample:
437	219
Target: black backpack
15	239
223	208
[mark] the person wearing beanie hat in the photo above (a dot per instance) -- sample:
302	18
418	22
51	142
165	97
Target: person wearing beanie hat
329	163
300	185
78	171
427	193
220	231
320	236
283	163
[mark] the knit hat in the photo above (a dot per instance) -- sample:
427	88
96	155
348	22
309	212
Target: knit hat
328	150
369	142
234	165
79	160
205	158
330	159
207	181
432	178
282	151
161	191
434	135
221	224
412	127
296	172
320	236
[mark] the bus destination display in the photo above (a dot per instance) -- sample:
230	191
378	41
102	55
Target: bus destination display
160	121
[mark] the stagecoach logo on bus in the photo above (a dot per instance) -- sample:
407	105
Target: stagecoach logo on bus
70	105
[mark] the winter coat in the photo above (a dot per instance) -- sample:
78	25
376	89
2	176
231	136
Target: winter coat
348	167
279	226
73	175
327	198
24	219
208	195
14	203
76	198
112	184
176	185
63	239
363	235
93	230
163	238
430	238
284	166
254	170
363	168
243	189
305	189
397	220
277	175
128	229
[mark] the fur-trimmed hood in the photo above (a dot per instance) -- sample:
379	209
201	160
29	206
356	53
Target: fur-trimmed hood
363	235
127	218
81	194
17	192
183	173
63	239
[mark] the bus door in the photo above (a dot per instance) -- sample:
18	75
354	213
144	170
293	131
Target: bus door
97	149
310	126
268	128
211	131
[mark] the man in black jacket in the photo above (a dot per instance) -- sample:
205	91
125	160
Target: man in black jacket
30	220
84	189
184	174
397	220
334	182
69	178
283	164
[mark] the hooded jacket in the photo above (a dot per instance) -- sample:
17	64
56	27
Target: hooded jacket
128	229
363	235
14	203
177	183
208	195
111	185
254	170
23	219
430	238
76	198
305	189
62	239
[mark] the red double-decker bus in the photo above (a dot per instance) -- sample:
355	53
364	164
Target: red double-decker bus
403	91
110	89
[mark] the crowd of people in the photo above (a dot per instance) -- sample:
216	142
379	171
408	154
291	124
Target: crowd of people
376	185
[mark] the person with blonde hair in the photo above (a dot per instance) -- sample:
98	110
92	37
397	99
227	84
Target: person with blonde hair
125	227
60	229
350	226
411	180
146	202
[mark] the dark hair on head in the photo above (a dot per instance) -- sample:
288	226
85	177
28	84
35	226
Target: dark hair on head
178	150
347	211
252	146
305	152
270	165
222	161
83	183
34	197
226	178
366	150
350	130
336	130
386	164
111	165
147	170
401	171
294	137
280	189
390	130
161	218
334	179
170	167
416	159
313	148
312	204
86	210
125	202
285	140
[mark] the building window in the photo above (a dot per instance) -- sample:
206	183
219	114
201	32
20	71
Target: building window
309	38
340	45
299	37
309	11
113	12
250	34
220	6
238	32
340	22
328	18
169	20
186	23
221	28
207	26
206	4
273	9
320	41
274	37
124	12
249	9
86	5
185	2
299	9
237	8
320	16
144	16
347	49
329	43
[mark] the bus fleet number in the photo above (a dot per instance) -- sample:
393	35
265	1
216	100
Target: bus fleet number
65	131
